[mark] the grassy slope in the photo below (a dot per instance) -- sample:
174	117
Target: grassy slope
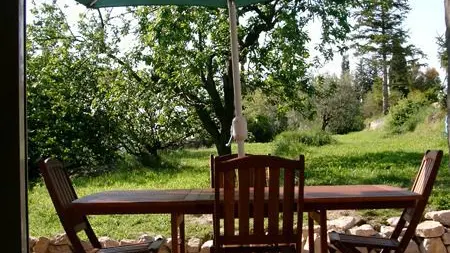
367	157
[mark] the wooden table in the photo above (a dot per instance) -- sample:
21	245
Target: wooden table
201	201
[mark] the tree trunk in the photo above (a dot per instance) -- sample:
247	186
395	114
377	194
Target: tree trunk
385	86
447	45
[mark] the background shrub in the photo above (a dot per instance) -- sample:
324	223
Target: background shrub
261	129
293	143
405	115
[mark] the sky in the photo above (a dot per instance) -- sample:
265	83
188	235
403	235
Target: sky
424	22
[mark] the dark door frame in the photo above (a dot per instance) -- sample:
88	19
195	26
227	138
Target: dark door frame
13	179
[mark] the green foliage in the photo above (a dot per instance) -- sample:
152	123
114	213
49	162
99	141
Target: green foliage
429	83
378	26
366	74
200	75
265	115
67	116
405	116
85	105
261	129
398	69
293	143
338	106
365	157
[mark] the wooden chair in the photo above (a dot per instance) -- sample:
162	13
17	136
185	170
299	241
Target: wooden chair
251	204
62	194
423	185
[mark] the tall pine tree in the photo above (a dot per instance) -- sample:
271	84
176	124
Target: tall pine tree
378	22
398	70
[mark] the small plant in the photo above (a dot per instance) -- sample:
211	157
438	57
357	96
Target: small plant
292	143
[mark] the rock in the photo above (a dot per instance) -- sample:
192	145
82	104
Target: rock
305	231
87	246
60	239
376	124
206	246
316	244
193	245
41	245
412	247
31	242
62	248
363	230
145	238
394	220
446	238
432	245
342	224
107	242
124	242
430	229
386	231
440	216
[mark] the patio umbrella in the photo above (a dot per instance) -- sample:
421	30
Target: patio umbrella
239	128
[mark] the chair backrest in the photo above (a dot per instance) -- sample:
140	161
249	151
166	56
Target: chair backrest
214	159
251	204
62	193
422	185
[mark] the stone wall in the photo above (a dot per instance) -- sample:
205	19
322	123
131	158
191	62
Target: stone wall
433	234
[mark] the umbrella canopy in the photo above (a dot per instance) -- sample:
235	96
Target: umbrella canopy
209	3
239	128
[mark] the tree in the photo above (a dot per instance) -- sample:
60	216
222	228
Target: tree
338	106
187	53
378	22
67	115
398	70
83	106
345	65
367	70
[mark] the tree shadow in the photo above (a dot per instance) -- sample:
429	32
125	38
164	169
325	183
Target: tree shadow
389	167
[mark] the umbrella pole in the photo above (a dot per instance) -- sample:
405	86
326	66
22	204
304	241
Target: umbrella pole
239	122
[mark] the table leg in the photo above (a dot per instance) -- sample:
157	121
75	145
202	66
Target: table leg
177	222
311	232
323	231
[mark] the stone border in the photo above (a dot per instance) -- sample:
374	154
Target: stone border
433	236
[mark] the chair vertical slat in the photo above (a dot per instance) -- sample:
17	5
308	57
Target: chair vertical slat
244	200
274	198
251	178
288	201
229	208
258	212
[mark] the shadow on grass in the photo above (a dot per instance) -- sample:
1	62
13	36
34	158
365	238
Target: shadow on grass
169	165
390	167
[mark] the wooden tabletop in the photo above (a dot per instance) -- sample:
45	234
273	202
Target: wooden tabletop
197	201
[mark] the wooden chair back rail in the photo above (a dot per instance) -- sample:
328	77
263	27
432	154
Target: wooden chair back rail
222	158
251	203
422	185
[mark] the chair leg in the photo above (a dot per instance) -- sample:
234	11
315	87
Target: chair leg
77	247
311	232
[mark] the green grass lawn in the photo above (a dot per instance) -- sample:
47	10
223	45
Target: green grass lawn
367	157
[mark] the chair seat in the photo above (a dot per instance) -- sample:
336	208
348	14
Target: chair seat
363	241
152	247
134	248
259	249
